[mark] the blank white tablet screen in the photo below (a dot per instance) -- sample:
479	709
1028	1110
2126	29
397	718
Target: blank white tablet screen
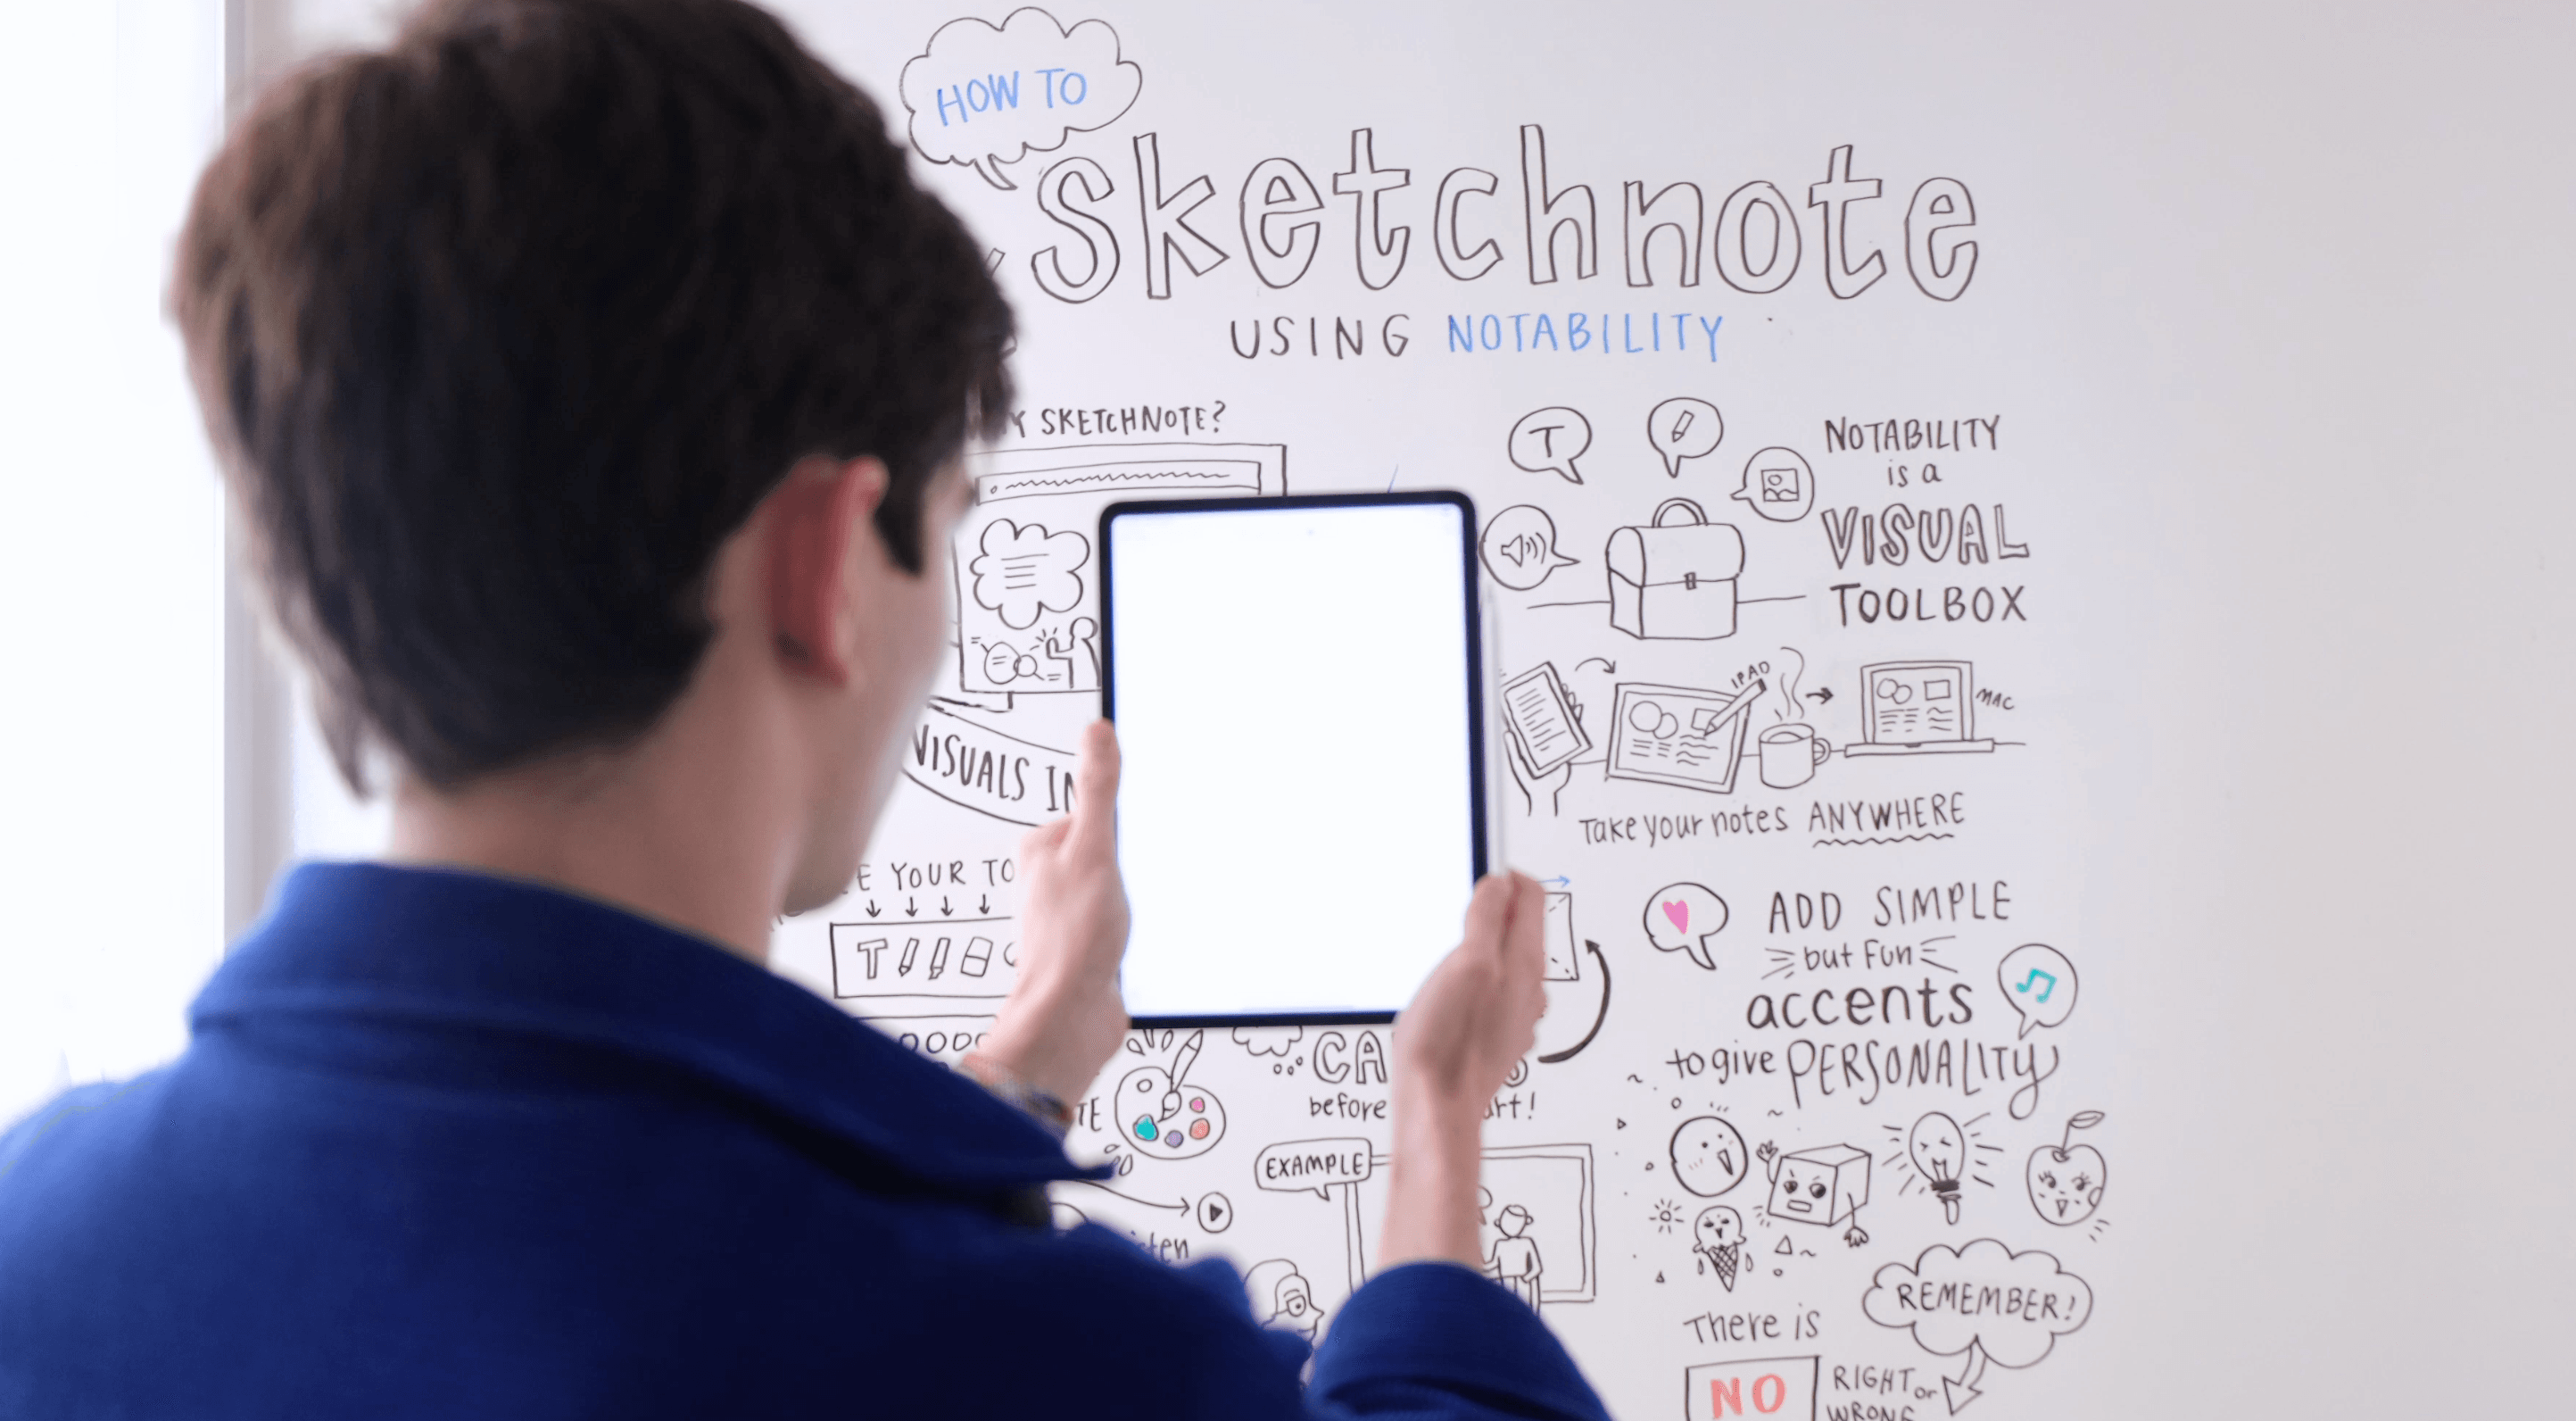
1295	819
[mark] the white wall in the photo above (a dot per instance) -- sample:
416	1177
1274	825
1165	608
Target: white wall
111	779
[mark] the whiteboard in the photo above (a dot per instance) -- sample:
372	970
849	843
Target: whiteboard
2031	604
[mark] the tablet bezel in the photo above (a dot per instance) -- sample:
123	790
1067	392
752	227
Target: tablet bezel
1479	836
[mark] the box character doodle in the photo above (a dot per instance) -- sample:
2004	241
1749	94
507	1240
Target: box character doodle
1825	1185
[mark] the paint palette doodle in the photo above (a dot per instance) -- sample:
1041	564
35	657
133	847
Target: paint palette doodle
1161	1115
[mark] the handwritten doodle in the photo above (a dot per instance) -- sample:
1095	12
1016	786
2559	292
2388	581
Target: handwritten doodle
1778	485
1679	735
1918	708
1268	1040
992	772
1823	1186
1214	1212
1548	441
1023	570
1028	614
922	967
982	95
2039	983
1161	1115
1543	734
1717	1236
1709	1157
1600	1012
2066	1179
1682	917
1518	547
1683	428
1945	1156
1675	581
1950	1298
1514	1260
1789	755
1282	1298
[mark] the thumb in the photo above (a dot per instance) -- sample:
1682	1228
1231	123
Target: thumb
1095	796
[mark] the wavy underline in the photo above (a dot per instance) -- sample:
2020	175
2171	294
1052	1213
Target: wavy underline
1900	839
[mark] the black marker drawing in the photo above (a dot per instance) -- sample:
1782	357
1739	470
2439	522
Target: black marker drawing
1789	754
1214	1212
1683	428
2039	983
2066	1179
992	772
1943	1155
1778	485
1268	1040
1028	612
1918	708
983	95
1543	734
1161	1115
1824	1186
1676	581
1679	735
1600	1014
1514	1260
1548	441
1518	547
1709	1157
922	967
1717	1236
1942	1298
1282	1298
1682	917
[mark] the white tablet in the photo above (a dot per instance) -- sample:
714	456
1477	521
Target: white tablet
1296	683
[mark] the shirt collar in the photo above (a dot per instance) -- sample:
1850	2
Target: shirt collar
448	947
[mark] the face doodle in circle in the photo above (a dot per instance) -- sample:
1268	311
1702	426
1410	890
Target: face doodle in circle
1709	1157
2066	1179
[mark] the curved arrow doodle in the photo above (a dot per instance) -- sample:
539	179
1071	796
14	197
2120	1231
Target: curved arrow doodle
1570	1052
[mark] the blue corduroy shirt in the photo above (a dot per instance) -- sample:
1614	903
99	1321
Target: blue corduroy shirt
445	1144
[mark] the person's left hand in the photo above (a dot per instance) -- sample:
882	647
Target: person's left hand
1064	1019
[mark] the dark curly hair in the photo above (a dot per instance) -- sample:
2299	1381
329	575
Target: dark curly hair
501	331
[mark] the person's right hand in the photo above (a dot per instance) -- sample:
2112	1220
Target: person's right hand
1473	1018
1477	1013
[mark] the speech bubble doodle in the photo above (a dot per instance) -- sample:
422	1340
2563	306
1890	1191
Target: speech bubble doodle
2039	983
1548	441
1312	1164
1778	484
981	97
1519	547
1683	429
1682	917
1709	1157
1022	570
2010	1306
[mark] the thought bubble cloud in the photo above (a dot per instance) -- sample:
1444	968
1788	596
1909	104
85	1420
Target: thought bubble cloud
1024	570
1682	917
2011	1305
1778	483
1312	1164
1548	441
2039	983
982	96
1683	429
1519	547
1268	1040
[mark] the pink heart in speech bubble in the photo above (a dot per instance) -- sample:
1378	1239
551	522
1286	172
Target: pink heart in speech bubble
1679	913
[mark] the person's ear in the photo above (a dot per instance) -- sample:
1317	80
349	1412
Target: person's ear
809	521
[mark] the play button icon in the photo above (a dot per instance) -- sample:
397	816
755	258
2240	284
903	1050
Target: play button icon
1215	1213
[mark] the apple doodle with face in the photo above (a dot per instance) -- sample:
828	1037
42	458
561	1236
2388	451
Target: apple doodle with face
2066	1178
1162	1116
